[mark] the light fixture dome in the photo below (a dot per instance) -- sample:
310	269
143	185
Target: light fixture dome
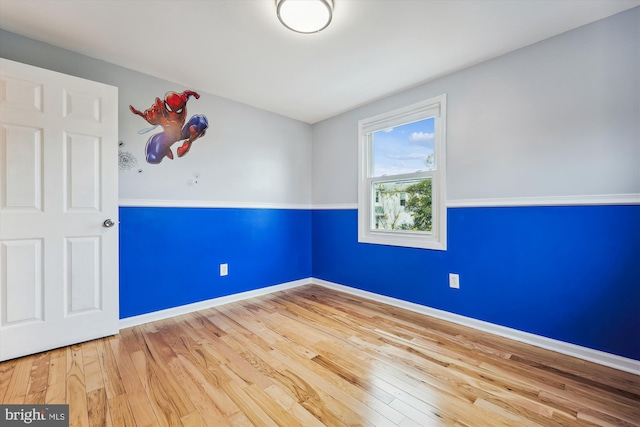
305	16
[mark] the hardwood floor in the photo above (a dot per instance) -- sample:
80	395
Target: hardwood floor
311	356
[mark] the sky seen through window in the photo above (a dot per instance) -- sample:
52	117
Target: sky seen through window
403	149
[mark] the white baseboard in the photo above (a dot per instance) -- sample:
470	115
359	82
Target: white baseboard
584	353
129	322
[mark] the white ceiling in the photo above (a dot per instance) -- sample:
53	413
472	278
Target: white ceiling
237	49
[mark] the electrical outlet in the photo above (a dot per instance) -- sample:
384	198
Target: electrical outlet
454	281
224	269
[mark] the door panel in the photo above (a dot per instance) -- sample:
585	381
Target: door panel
21	94
22	187
22	282
83	284
82	172
58	184
82	106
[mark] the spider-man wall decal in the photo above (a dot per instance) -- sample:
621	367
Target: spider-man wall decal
171	114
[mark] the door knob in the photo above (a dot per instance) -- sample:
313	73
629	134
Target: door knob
108	223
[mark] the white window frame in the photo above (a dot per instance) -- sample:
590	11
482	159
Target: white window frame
436	239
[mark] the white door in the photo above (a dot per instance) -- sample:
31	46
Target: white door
58	186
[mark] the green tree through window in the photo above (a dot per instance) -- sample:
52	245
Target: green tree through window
420	204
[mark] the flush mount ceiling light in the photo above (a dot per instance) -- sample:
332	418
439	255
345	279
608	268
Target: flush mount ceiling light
305	16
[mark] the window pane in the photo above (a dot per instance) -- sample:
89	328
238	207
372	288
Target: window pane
404	149
402	205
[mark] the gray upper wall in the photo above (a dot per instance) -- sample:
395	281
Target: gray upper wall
557	118
248	156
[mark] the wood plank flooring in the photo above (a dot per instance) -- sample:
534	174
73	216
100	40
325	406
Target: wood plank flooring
311	356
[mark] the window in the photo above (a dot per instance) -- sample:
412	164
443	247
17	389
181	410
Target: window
401	189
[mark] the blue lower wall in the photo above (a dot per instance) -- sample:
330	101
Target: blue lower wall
171	256
568	273
571	273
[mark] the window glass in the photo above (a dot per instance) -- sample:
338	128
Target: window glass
403	205
404	149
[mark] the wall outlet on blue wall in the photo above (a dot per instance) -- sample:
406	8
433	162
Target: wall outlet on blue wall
454	281
224	269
